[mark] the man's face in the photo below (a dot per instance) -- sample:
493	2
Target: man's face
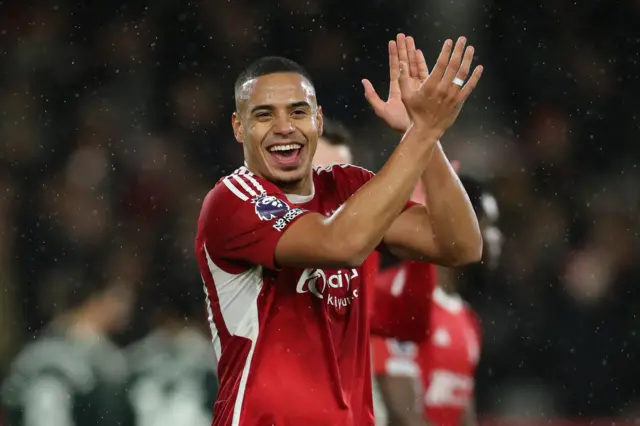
278	122
327	154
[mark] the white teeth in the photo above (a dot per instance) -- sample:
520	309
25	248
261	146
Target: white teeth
285	147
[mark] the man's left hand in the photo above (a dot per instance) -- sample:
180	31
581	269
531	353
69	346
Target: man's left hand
393	111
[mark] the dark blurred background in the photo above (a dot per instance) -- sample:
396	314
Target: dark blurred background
115	122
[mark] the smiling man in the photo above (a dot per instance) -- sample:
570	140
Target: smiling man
280	244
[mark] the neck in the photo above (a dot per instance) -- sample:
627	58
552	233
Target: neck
83	323
302	187
173	326
447	278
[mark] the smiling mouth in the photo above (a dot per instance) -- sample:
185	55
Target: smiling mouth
286	155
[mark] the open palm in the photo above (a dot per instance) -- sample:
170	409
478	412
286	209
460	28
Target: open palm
393	111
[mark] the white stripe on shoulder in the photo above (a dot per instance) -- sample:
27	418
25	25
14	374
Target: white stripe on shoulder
251	177
237	192
243	184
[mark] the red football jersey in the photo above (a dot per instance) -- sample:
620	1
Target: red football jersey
402	301
445	362
292	344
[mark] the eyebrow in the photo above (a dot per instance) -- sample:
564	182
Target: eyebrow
270	107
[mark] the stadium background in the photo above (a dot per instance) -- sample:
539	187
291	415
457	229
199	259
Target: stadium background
115	121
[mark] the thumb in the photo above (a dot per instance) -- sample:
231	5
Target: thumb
372	97
404	81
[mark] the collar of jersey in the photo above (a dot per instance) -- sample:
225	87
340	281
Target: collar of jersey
302	199
450	302
295	198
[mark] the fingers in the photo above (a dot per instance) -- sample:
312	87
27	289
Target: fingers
405	80
403	55
463	72
455	62
441	63
394	62
413	59
372	97
471	84
455	65
423	70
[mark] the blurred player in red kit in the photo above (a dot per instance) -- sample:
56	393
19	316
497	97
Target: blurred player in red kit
280	244
445	362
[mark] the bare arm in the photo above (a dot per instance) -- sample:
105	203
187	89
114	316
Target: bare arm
470	416
353	232
401	400
444	231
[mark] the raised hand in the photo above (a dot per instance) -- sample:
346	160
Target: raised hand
437	102
393	111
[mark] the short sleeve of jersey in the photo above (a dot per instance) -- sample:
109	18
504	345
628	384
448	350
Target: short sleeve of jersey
394	358
242	220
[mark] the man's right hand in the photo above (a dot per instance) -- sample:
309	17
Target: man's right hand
435	105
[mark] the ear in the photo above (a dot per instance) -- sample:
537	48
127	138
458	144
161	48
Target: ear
320	120
238	131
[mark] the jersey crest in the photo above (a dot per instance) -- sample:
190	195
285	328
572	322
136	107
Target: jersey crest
269	207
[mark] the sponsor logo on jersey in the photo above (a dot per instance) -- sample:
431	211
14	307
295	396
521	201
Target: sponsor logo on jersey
284	220
269	207
321	285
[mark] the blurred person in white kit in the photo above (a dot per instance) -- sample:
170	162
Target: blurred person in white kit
172	379
72	374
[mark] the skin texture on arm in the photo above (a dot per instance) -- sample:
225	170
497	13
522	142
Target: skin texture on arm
445	229
401	400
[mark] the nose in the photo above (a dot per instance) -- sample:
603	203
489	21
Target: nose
283	126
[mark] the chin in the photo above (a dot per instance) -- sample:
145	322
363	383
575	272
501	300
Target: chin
288	178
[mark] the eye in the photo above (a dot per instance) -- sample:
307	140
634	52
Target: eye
262	114
299	113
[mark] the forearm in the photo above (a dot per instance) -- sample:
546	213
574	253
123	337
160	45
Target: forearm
470	416
453	220
366	216
401	401
404	419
